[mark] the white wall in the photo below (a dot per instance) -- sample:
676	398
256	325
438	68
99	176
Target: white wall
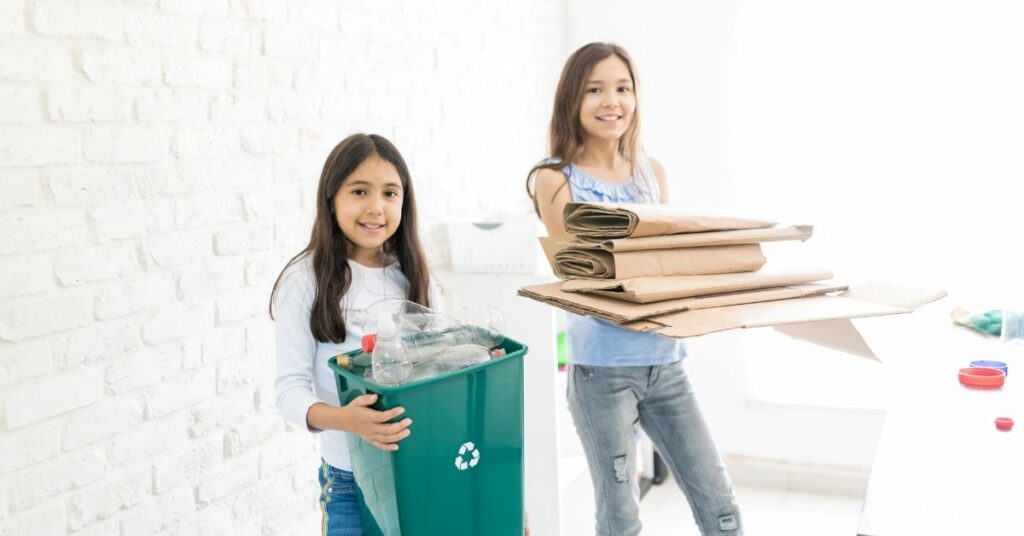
892	126
158	161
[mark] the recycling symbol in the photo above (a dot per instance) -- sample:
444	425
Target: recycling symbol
467	448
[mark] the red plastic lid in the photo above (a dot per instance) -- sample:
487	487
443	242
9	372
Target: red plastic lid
369	341
982	377
1004	423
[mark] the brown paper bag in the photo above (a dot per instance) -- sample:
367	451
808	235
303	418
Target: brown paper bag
652	289
577	262
689	240
620	220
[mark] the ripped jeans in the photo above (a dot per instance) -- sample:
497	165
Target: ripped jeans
607	403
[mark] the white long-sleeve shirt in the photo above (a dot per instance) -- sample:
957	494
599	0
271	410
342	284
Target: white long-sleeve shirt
303	377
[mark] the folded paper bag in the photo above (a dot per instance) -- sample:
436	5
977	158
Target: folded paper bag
576	262
620	220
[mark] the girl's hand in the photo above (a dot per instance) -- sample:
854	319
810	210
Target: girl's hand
373	426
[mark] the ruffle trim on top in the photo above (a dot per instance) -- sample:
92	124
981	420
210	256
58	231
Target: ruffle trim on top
624	192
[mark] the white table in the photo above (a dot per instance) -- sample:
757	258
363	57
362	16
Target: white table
942	467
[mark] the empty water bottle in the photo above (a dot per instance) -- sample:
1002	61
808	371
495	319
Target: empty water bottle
462	356
488	318
390	364
448	359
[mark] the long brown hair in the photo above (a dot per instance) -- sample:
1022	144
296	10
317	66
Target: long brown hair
328	245
565	137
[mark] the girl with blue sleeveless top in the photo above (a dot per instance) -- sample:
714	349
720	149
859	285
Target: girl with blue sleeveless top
619	379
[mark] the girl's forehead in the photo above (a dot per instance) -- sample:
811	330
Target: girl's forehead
374	171
610	69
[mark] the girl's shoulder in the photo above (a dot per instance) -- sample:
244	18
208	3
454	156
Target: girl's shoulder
551	178
299	270
297	281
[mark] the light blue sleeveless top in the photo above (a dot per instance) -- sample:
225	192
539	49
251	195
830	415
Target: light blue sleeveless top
598	342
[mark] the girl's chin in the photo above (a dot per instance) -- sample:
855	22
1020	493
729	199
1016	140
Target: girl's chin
606	134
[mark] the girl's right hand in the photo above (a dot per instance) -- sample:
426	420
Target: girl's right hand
373	426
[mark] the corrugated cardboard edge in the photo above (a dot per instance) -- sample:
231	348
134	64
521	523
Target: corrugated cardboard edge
828	316
653	289
621	312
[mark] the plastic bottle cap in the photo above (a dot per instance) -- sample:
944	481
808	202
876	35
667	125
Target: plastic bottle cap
369	341
998	365
982	377
1004	423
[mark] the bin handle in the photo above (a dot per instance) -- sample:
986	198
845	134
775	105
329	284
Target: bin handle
355	393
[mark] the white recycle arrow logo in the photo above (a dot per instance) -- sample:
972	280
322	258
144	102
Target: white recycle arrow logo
460	460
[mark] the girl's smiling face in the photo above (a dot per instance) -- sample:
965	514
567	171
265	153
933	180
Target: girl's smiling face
608	100
368	208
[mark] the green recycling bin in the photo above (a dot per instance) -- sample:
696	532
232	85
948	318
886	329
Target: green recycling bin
460	472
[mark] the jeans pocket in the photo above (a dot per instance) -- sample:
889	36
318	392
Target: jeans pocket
583	372
341	485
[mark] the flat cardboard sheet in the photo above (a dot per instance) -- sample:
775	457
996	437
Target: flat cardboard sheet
622	312
652	289
822	320
573	262
621	220
689	240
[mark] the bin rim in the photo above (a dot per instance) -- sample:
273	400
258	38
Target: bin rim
332	362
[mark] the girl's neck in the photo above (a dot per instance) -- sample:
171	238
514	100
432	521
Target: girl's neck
601	154
366	257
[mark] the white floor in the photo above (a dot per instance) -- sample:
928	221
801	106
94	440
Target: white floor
766	512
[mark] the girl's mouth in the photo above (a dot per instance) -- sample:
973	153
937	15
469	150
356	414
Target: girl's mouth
609	119
371	228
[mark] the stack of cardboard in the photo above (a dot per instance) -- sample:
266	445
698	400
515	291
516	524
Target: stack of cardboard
682	274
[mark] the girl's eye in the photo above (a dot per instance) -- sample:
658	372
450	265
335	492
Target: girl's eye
625	90
358	192
391	194
594	90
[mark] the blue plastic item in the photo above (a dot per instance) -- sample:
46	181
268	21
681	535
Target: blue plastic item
998	365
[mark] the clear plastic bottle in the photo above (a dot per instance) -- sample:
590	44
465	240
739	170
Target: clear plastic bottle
449	359
485	316
426	345
462	356
390	364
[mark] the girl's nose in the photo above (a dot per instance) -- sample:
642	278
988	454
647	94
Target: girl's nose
375	206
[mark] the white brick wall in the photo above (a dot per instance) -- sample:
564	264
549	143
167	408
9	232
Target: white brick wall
158	161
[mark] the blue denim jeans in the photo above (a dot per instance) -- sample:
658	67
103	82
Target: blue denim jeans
338	502
607	404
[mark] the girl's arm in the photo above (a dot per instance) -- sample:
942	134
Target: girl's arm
296	347
659	173
552	194
357	417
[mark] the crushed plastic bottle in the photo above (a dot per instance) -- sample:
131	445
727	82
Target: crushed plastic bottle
450	359
485	316
426	345
431	343
390	364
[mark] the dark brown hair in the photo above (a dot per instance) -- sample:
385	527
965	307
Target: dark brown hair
328	246
565	137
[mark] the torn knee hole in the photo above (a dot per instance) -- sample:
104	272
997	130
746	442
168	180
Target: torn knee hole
621	474
728	522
